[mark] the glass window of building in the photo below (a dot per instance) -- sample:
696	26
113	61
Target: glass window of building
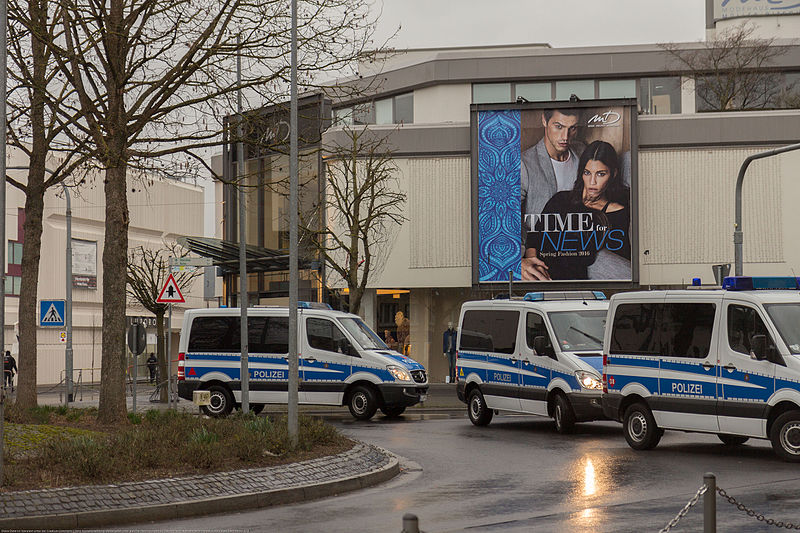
616	89
343	116
491	93
535	92
583	89
660	96
364	114
383	111
404	108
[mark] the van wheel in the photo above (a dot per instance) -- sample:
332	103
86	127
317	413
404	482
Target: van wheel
221	402
362	403
732	440
393	412
785	436
479	414
640	428
563	415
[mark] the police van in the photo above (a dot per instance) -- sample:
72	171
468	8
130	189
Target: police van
723	361
341	361
541	354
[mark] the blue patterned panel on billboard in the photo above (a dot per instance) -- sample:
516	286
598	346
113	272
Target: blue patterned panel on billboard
499	199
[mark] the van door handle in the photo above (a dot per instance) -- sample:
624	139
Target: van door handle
310	359
729	366
708	366
514	360
526	361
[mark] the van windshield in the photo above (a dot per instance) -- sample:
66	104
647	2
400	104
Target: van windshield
578	331
786	318
364	336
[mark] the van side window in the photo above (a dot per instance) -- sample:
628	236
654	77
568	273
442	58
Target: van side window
686	329
743	323
534	327
489	331
323	334
214	334
268	334
634	329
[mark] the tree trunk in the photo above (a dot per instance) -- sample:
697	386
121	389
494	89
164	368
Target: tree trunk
162	357
32	228
28	294
112	407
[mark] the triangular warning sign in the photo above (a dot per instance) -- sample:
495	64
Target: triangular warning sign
52	316
170	294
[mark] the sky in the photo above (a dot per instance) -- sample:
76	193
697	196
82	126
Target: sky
561	23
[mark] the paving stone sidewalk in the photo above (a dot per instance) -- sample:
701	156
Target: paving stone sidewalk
166	499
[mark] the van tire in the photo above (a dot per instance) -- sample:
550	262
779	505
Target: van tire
640	427
221	402
563	415
362	403
732	440
394	411
479	414
785	436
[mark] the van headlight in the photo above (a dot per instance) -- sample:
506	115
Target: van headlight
399	373
588	380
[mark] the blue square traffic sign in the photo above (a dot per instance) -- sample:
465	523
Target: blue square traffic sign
52	313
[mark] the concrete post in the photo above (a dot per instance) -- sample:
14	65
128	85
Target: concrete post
710	503
410	523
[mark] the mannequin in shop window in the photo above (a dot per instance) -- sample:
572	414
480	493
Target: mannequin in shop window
403	332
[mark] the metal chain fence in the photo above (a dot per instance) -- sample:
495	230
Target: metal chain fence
758	516
685	510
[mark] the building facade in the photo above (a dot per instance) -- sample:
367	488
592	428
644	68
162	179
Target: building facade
683	157
160	210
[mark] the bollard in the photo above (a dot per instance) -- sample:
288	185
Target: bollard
710	503
410	523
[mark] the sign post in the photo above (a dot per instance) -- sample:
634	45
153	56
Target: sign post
137	342
170	294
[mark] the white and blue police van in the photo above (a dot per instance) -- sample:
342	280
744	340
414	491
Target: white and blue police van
724	361
341	361
541	354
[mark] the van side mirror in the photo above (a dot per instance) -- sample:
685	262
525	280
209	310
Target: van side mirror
758	346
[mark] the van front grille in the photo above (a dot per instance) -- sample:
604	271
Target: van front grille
419	376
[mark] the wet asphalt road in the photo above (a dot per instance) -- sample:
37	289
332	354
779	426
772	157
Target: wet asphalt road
518	475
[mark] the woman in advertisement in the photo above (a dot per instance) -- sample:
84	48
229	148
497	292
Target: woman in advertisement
583	233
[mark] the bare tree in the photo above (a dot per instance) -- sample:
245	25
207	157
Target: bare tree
148	270
731	71
360	209
39	117
152	80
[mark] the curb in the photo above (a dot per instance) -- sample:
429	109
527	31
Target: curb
206	506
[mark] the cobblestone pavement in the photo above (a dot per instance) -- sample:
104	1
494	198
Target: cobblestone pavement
165	499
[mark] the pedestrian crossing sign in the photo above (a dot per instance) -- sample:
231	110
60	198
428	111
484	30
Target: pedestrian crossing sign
52	313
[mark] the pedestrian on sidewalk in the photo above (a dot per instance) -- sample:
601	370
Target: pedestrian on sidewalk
152	364
9	369
449	350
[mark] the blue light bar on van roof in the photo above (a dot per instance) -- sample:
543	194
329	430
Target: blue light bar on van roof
313	305
564	295
750	283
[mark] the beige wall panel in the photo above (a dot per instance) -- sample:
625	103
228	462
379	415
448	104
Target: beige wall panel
686	211
442	103
438	199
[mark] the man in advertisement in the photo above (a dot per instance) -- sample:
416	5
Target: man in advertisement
546	168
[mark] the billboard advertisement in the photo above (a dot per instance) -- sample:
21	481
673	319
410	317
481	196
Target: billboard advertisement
552	184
